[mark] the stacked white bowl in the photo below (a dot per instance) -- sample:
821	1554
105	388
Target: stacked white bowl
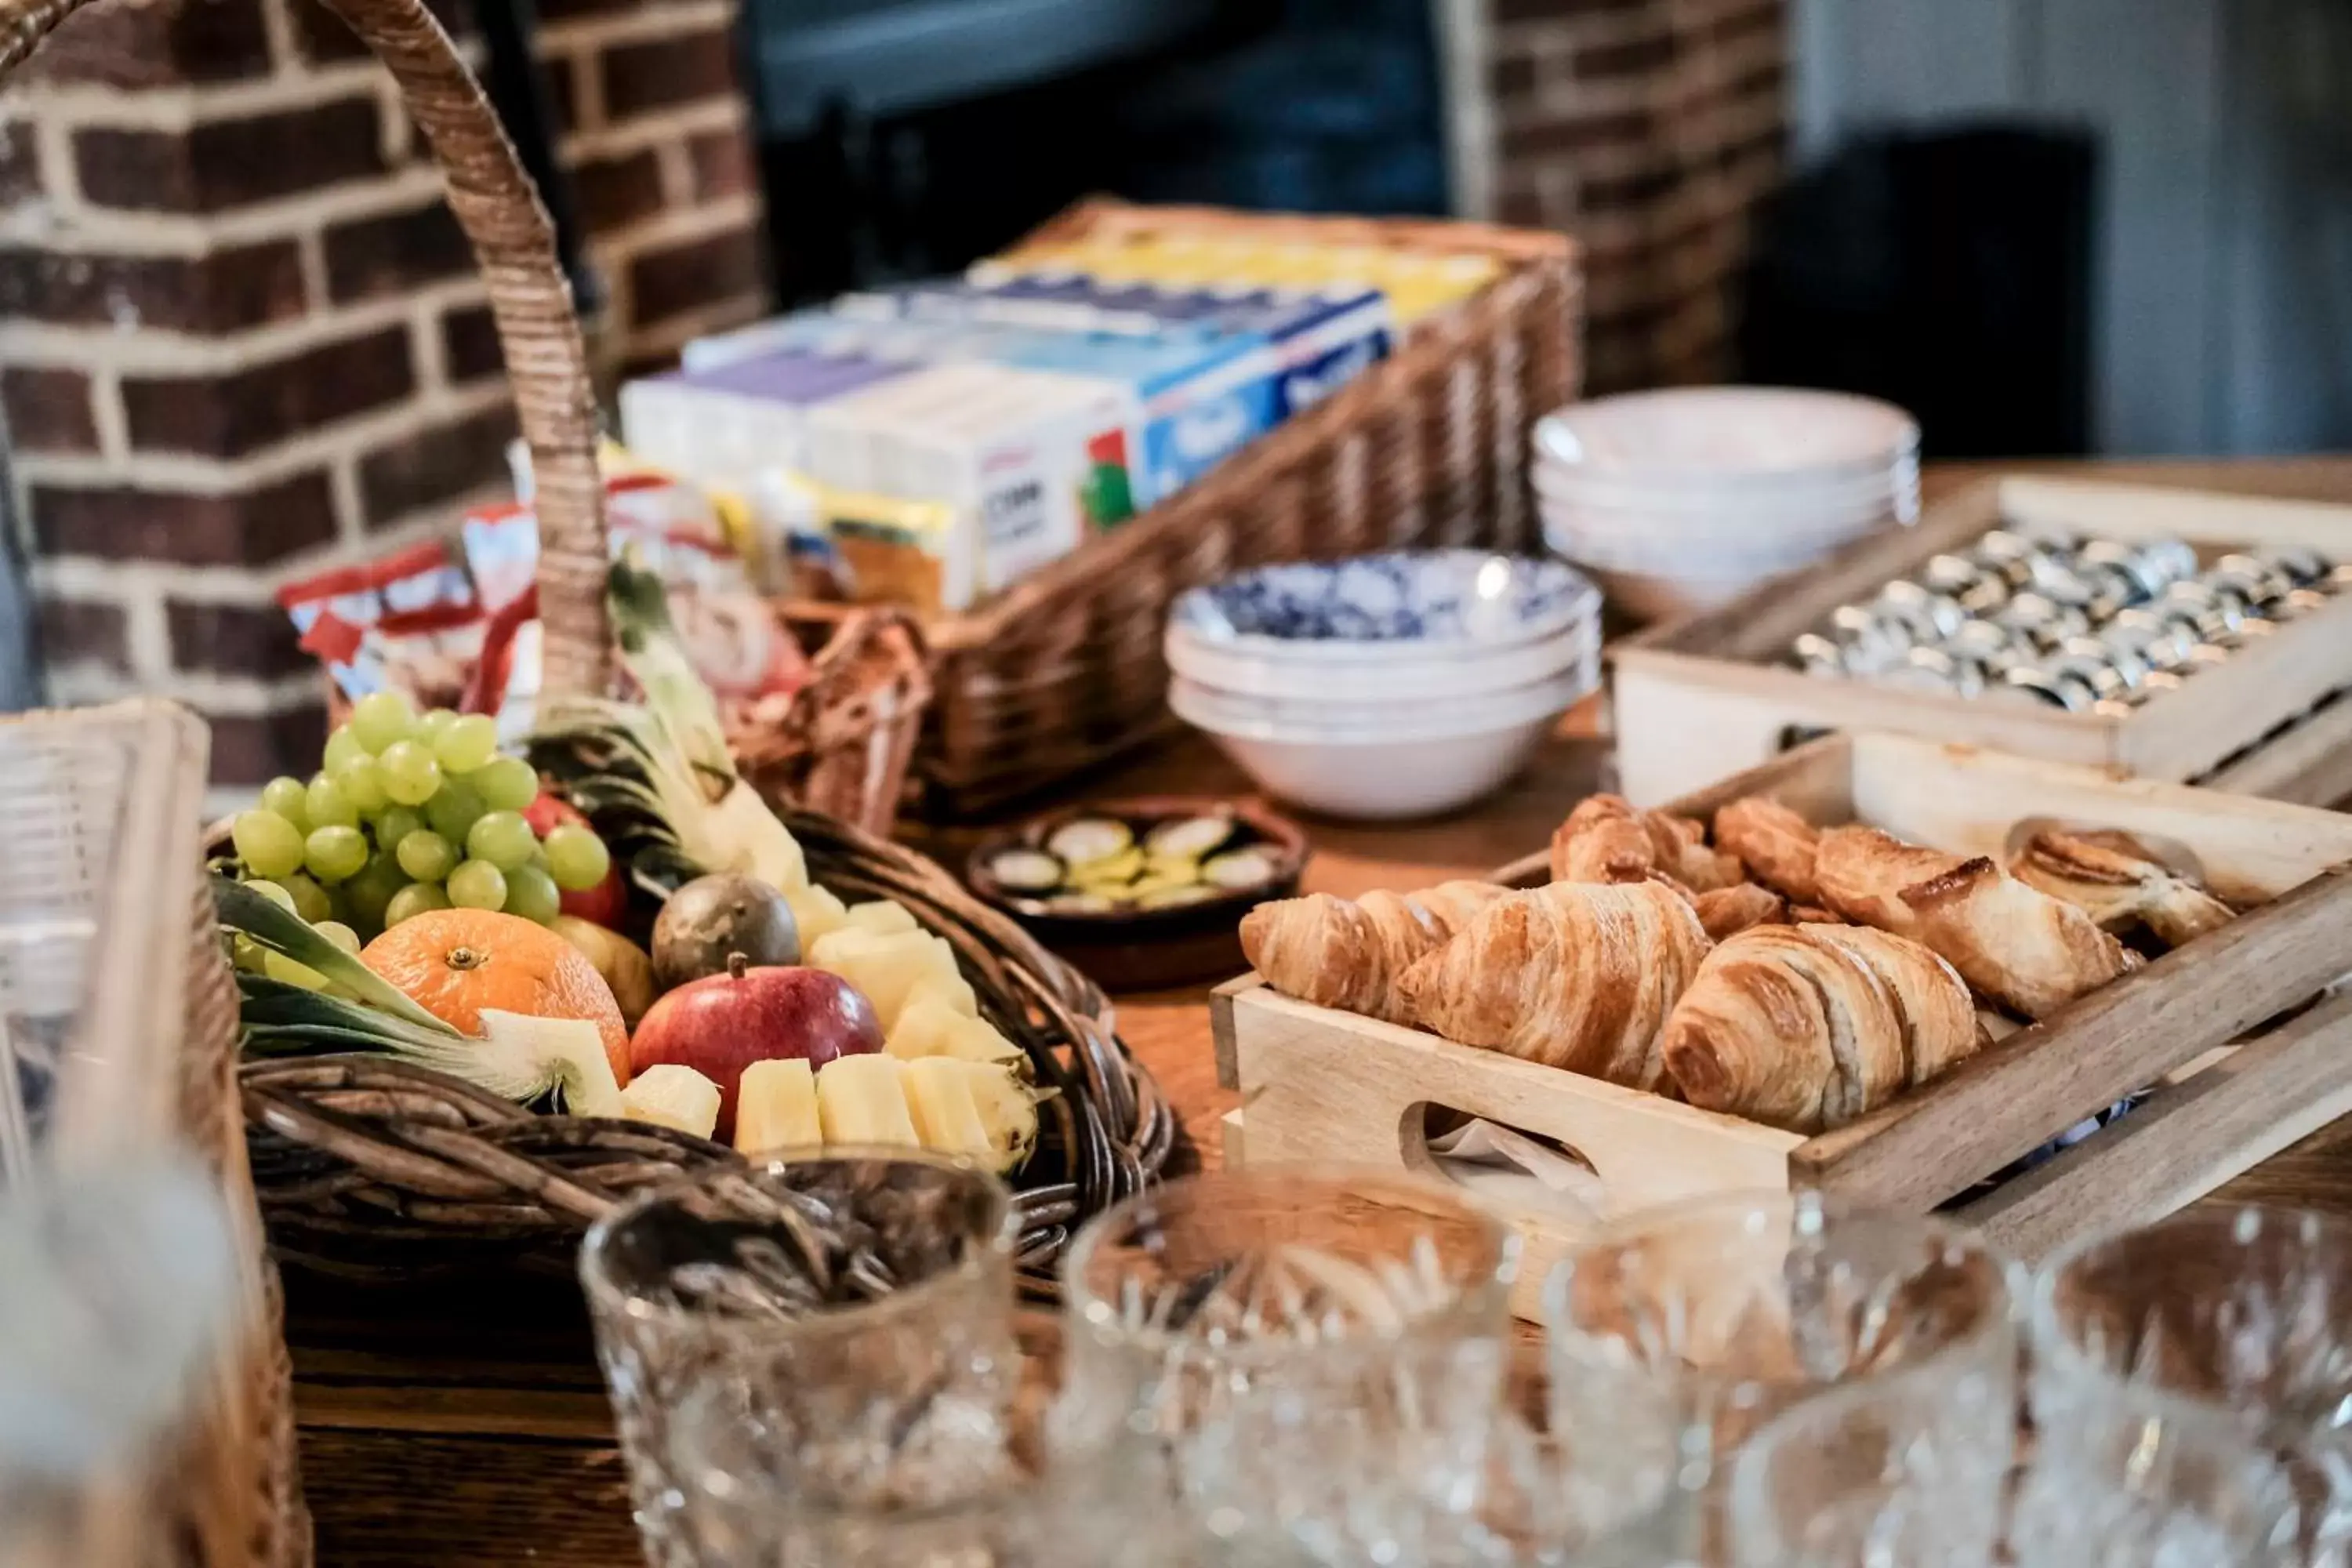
1387	686
1680	501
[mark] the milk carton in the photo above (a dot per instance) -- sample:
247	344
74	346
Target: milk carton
728	424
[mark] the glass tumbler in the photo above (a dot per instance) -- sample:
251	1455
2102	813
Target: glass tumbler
1907	1469
1320	1355
854	1307
1729	1311
2245	1309
754	1506
2132	1477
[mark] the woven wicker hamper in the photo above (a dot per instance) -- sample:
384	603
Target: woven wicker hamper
102	841
1429	448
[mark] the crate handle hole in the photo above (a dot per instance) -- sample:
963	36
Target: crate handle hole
1425	1120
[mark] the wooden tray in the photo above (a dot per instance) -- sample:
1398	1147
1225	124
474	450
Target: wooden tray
1326	1086
1703	699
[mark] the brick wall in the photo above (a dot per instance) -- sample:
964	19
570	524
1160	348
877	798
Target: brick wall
1651	130
240	336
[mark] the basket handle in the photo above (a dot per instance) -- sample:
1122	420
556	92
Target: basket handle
514	245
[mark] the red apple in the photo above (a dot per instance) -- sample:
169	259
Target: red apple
721	1023
605	904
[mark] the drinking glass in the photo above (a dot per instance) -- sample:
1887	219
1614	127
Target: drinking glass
1728	1310
2247	1311
1908	1471
1321	1355
854	1308
753	1505
2132	1477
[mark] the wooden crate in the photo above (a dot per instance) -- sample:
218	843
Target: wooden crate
1703	699
2244	1079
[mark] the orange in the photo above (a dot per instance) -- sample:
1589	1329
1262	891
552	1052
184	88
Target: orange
455	962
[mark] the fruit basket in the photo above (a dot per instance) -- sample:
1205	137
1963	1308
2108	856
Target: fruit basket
377	1169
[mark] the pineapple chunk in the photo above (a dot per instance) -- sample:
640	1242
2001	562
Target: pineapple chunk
522	1056
1007	1108
775	1107
887	967
951	992
815	912
883	917
929	1025
860	1100
947	1117
674	1096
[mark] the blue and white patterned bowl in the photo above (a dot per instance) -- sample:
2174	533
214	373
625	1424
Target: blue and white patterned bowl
1399	606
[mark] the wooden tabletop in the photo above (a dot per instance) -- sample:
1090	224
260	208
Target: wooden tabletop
467	1425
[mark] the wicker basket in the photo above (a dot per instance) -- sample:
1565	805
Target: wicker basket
374	1169
113	928
1065	670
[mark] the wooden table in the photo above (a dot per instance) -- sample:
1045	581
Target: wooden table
453	1426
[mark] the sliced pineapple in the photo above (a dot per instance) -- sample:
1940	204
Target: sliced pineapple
776	1107
673	1095
524	1056
815	913
1008	1108
887	967
947	1117
860	1099
931	1026
881	916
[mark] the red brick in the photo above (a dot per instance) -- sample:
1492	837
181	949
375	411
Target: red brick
1560	10
1628	56
157	44
469	344
685	276
20	163
234	639
664	72
230	416
1513	76
1575	133
49	411
395	252
223	291
435	466
322	37
616	192
722	164
253	748
563	95
225	163
85	631
570	10
252	528
1523	207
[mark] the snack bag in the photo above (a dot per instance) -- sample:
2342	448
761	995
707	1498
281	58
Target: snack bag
409	623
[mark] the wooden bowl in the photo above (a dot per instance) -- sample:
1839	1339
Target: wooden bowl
1148	950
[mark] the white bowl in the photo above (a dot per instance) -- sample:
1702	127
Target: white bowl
1775	435
1425	760
1396	609
1249	670
1744	499
1658	596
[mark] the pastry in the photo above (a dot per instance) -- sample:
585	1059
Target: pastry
1576	975
1808	1028
1775	845
1724	910
2016	944
2117	884
1347	953
1605	839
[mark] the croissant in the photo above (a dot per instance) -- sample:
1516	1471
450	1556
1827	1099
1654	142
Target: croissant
1777	845
1808	1028
2016	944
1344	953
2116	886
1724	910
1576	975
1604	839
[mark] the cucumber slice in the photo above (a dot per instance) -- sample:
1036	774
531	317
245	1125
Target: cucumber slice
1026	871
1239	868
1189	839
1081	904
1085	839
1175	897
